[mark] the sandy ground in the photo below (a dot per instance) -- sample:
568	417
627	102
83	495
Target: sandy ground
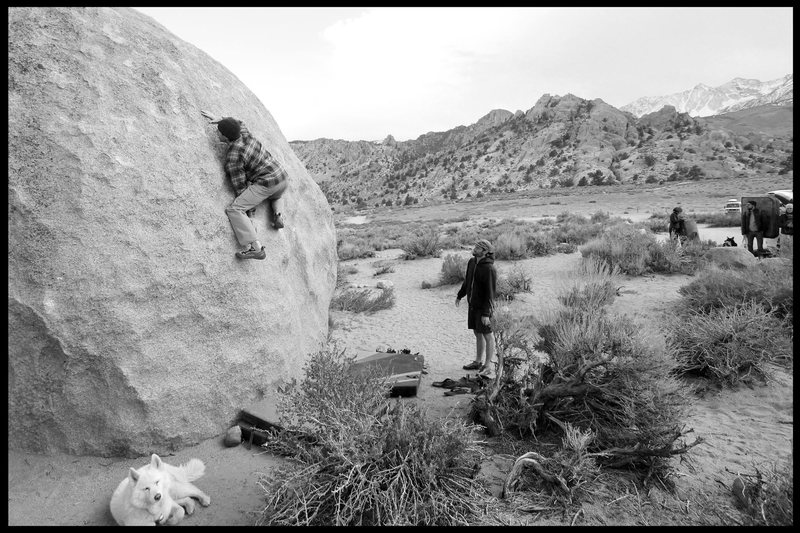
743	428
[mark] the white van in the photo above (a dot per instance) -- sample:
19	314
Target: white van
733	206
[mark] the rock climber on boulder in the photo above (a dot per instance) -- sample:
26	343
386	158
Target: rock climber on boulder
255	176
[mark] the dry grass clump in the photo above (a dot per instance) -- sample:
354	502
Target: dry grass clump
360	458
769	496
595	287
363	300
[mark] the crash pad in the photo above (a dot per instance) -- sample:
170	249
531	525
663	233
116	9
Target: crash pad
403	370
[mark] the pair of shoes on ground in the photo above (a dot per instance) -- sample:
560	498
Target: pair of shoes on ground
475	365
252	253
458	390
277	221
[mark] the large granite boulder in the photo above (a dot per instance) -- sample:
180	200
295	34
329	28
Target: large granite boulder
732	257
133	328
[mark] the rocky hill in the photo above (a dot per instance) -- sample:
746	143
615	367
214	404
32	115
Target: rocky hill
704	101
562	141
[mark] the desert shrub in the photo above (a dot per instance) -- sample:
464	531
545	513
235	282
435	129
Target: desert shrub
614	380
656	225
513	282
454	269
595	288
624	247
541	244
363	300
769	283
600	216
358	458
600	374
728	344
386	269
718	220
509	245
342	271
575	229
350	250
422	243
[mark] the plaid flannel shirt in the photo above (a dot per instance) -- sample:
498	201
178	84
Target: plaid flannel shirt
247	161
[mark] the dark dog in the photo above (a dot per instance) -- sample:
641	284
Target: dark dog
729	242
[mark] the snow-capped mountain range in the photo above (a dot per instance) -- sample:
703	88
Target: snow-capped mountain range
704	101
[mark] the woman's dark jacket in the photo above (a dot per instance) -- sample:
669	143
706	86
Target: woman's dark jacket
479	285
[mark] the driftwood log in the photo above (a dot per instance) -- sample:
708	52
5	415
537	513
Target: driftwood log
534	461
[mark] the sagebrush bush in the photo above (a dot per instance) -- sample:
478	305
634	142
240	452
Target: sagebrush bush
422	243
581	367
541	244
350	250
360	458
633	252
718	219
595	287
510	245
656	225
622	248
512	282
727	344
770	283
454	269
363	300
624	387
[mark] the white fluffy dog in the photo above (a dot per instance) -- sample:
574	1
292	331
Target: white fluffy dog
158	493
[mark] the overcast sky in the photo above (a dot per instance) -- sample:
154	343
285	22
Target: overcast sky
365	73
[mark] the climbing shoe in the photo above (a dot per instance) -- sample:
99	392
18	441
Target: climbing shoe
252	253
475	365
277	221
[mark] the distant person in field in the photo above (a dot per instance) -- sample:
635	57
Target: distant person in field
676	223
786	222
479	287
255	176
754	221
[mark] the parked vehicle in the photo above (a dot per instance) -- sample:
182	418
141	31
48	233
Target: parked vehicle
733	206
783	195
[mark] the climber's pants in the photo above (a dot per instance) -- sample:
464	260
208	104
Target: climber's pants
253	195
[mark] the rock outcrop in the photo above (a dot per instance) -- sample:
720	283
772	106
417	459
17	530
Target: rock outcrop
133	328
730	257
